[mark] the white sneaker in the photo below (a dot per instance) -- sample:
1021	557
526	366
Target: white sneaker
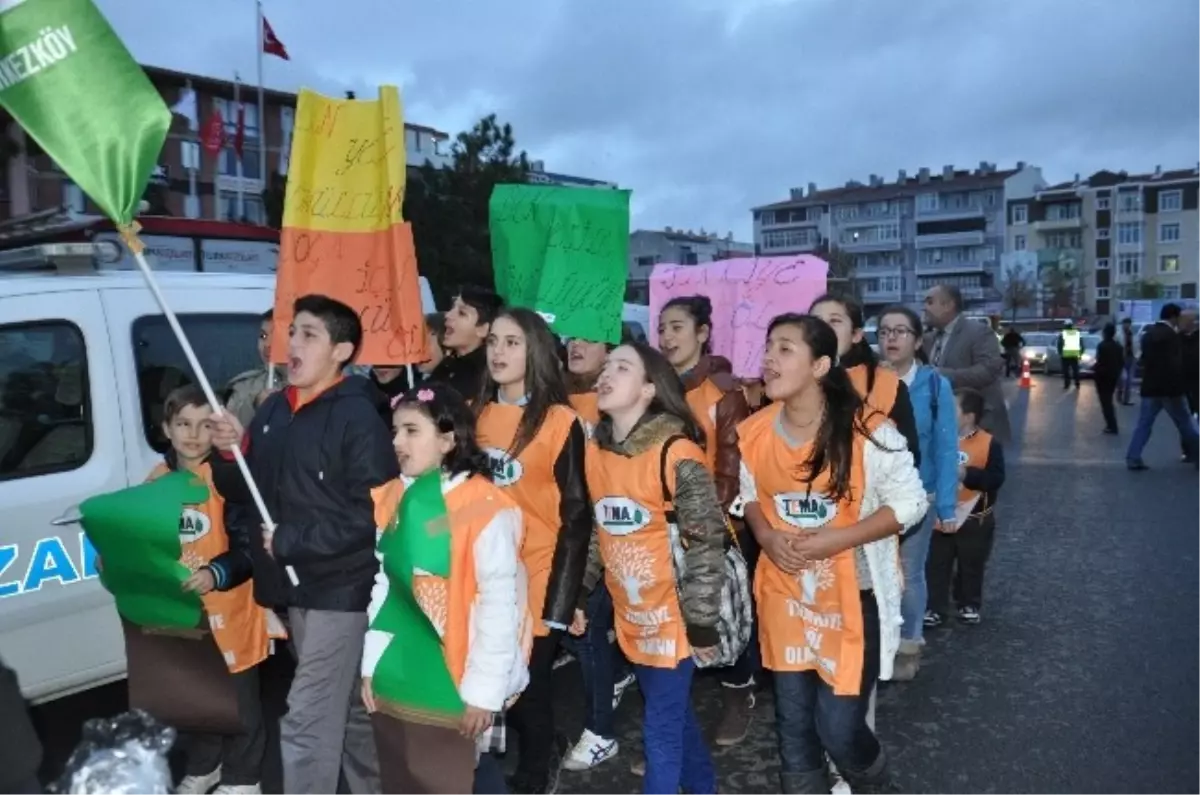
238	789
563	658
839	785
199	785
591	750
620	687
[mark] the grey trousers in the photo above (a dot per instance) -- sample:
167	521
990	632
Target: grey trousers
327	728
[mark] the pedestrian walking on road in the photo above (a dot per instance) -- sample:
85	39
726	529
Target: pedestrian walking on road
1011	343
1129	345
1070	349
1107	373
827	485
960	551
1163	389
966	353
933	407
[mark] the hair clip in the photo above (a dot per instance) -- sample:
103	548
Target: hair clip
396	401
425	395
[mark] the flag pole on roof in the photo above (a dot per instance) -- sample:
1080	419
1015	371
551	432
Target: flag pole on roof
67	78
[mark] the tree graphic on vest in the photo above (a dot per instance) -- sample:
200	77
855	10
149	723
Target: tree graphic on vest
816	576
633	567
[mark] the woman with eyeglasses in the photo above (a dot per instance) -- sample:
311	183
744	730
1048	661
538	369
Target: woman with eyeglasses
932	400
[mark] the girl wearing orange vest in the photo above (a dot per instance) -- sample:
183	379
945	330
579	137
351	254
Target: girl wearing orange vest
880	387
718	403
660	540
215	543
478	607
828	485
536	444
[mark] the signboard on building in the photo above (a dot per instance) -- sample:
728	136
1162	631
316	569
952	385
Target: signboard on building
239	256
163	253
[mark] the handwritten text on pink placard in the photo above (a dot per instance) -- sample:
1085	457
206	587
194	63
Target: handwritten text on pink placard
746	293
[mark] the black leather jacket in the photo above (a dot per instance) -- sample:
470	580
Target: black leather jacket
575	533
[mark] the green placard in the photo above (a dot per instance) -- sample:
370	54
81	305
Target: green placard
563	252
136	534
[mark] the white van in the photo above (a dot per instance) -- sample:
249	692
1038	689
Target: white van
86	360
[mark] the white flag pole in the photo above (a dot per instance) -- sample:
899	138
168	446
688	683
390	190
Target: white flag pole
135	246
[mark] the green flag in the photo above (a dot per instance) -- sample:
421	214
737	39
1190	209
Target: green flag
563	252
70	82
412	673
136	534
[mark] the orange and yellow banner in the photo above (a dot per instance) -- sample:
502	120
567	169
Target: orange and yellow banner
343	232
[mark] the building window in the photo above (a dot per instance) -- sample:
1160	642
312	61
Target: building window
1168	263
1020	214
73	198
927	202
47	414
252	208
767	217
229	159
1062	212
1102	234
1102	264
1170	292
1019	243
790	239
1102	292
1103	203
1130	202
1168	233
1170	201
1129	234
647	261
225	345
1129	264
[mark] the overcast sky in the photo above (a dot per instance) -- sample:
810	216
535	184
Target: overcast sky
704	111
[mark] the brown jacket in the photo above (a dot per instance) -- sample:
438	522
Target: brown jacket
720	419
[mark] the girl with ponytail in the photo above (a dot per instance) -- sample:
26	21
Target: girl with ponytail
878	386
827	484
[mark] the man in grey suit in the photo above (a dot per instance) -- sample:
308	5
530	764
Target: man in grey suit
967	353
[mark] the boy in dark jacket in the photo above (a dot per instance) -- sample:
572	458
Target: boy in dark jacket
1107	372
969	543
465	329
316	449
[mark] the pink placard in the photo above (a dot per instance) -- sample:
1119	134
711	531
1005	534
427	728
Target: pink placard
746	294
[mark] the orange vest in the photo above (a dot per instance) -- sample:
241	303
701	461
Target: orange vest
973	452
585	405
636	547
529	481
883	391
702	400
238	623
447	602
812	621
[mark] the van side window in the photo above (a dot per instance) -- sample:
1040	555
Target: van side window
45	410
226	346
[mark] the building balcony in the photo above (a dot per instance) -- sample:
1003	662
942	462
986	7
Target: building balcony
879	296
950	239
864	245
776	224
1058	225
768	249
866	219
950	266
949	213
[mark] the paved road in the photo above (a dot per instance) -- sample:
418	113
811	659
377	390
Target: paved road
1083	676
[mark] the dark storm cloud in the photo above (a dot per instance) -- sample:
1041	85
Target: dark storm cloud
705	112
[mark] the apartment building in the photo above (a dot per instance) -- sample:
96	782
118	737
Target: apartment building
1112	236
33	183
649	247
906	235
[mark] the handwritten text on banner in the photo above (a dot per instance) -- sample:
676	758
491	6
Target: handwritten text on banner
343	233
746	293
563	252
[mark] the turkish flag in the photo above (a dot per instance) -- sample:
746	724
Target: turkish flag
239	137
214	132
271	45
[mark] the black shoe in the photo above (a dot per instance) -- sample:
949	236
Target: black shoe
933	619
1136	466
969	615
1111	431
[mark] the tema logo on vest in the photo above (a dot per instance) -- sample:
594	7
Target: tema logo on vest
963	458
505	471
193	525
806	510
621	516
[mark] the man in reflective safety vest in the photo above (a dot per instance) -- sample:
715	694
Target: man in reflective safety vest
1070	348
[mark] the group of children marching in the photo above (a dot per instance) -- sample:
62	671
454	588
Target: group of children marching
429	573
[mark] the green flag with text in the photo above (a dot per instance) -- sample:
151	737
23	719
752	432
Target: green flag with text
563	252
68	80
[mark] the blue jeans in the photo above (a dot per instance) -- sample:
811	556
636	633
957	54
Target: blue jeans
489	776
676	754
811	721
600	662
914	553
1177	410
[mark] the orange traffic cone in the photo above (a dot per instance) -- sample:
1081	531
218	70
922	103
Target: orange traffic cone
1025	382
